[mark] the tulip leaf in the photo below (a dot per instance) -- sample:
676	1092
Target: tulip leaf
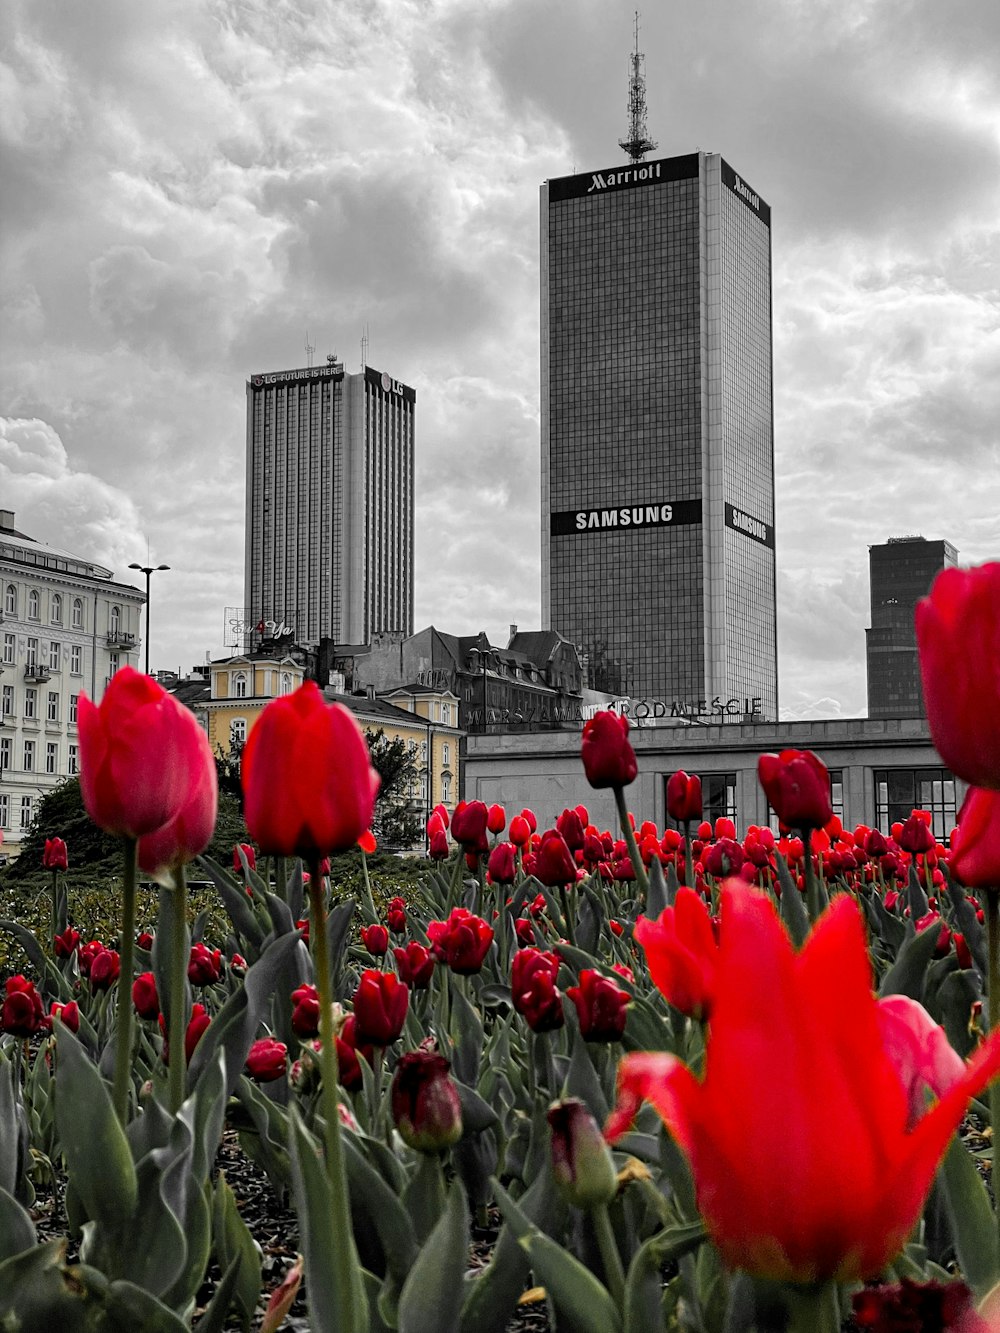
971	1216
647	1028
906	976
97	1153
793	909
889	927
267	1142
467	1032
577	1295
582	1080
956	996
657	896
371	1195
477	1114
237	903
234	1244
916	898
431	1299
17	1231
129	1306
10	1138
968	921
34	1295
214	1318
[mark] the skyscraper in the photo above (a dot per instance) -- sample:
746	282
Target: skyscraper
901	571
657	430
329	504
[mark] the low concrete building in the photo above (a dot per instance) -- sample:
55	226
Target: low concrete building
879	771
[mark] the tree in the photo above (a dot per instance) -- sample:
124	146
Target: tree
61	814
397	821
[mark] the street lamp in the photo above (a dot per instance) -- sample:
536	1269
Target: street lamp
149	571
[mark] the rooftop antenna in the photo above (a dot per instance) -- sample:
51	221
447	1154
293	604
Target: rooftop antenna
310	348
364	348
638	144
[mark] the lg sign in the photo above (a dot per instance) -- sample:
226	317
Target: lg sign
390	385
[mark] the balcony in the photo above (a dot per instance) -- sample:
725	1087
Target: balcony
117	638
37	672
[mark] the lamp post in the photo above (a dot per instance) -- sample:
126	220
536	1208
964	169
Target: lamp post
149	571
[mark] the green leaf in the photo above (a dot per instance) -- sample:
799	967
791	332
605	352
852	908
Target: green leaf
647	1028
577	1295
17	1231
237	904
373	1196
968	922
477	1114
906	976
431	1299
467	1031
956	996
657	899
214	1318
234	1244
131	1307
582	1080
644	1285
10	1154
97	1153
793	909
971	1216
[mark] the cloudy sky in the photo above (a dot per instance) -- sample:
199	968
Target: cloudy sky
190	187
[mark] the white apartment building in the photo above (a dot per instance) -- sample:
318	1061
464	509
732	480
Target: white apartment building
65	628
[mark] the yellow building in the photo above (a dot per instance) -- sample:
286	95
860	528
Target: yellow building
240	689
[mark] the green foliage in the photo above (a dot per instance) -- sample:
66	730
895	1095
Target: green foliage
61	814
395	823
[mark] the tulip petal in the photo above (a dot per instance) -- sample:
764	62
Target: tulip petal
661	1079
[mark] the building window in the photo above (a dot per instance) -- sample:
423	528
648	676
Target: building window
837	792
74	759
8	701
29	756
899	791
423	752
10	600
116	620
237	732
446	714
53	656
51	757
718	797
446	789
25	812
5	752
74	702
76	660
31	654
77	613
33	604
9	649
4	811
239	684
52	706
31	704
286	683
446	753
114	663
55	609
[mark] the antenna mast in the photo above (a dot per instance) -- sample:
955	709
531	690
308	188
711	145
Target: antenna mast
638	144
310	348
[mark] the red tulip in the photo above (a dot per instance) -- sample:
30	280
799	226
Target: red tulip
349	1047
681	953
66	944
571	826
502	865
144	940
204	965
134	755
104	969
307	777
438	848
375	938
582	1166
55	856
797	784
305	1011
526	964
607	755
68	1014
524	931
189	831
600	1006
468	825
21	1013
415	964
249	853
144	996
380	1004
723	858
267	1060
796	1038
87	955
958	639
425	1104
395	916
520	831
975	844
916	836
554	863
198	1025
462	941
496	819
683	796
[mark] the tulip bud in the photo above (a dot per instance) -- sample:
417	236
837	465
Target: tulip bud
425	1103
581	1160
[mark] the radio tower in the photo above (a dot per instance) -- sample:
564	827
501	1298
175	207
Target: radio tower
638	144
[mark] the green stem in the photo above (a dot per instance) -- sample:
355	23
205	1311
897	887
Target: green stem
812	888
123	1042
179	958
346	1266
688	856
612	1260
369	900
55	903
568	916
993	1002
633	850
813	1309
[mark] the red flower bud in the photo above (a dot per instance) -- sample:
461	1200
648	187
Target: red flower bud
104	969
144	996
267	1060
468	826
55	856
67	943
682	953
380	1004
204	965
915	836
68	1014
21	1013
248	852
600	1005
305	1011
375	938
554	863
684	796
462	941
415	964
496	819
425	1104
797	784
581	1162
607	755
520	831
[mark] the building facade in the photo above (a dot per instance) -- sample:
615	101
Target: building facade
66	627
329	506
657	450
879	771
901	572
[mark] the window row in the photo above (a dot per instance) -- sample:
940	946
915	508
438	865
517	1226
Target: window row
31	709
35	760
46	655
56	608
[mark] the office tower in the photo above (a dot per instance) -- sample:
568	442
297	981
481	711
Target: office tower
329	505
901	572
657	430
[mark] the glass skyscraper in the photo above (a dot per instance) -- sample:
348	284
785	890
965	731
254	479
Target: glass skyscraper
329	505
658	554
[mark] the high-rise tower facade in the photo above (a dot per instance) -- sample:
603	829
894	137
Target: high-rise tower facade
329	504
658	555
901	572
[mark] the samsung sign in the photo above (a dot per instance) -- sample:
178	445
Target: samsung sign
740	521
657	514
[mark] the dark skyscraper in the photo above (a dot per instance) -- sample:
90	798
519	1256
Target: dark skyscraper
657	430
329	504
902	571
